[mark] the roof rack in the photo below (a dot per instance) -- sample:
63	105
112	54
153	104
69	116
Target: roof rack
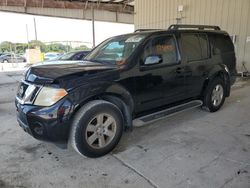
141	30
200	27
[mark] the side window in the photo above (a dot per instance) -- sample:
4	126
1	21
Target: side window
221	44
204	46
191	47
78	56
163	46
195	46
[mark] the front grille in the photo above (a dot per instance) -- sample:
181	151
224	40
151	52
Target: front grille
22	89
27	92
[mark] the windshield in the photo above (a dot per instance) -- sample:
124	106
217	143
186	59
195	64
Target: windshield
116	50
67	56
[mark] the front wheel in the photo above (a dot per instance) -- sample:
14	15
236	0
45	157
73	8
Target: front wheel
214	96
96	129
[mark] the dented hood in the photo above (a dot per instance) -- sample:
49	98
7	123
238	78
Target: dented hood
49	73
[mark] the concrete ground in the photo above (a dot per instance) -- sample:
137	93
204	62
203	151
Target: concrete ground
12	66
193	149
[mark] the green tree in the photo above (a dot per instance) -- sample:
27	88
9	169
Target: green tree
37	43
20	48
6	46
82	47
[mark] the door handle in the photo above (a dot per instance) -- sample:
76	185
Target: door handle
183	71
205	73
180	70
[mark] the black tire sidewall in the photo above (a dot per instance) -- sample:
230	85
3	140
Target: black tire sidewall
84	117
208	95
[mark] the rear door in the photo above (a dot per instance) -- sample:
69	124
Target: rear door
195	55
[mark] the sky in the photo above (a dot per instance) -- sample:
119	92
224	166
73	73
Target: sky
13	29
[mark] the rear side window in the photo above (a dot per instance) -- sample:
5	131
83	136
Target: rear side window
221	44
204	46
195	46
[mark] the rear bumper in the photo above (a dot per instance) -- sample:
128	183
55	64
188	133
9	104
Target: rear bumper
46	123
233	76
232	80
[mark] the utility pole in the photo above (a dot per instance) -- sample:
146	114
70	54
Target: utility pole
35	28
27	33
27	50
93	25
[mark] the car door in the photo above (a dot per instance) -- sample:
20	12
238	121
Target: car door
196	55
19	59
159	83
9	58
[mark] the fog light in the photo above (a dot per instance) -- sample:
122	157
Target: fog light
38	129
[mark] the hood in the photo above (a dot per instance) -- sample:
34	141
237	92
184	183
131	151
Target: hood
56	62
49	73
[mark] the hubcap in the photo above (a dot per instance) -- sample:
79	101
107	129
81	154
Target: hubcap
217	95
100	131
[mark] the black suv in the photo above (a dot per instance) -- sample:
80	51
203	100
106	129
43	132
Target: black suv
127	80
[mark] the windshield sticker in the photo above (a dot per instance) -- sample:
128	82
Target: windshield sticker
135	39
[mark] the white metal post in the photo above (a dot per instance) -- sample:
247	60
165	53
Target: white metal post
93	25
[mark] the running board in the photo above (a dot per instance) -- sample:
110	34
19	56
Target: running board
166	113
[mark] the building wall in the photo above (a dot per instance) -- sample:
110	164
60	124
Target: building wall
231	15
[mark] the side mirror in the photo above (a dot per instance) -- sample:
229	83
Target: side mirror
153	59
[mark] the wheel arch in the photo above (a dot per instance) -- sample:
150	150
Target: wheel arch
117	95
218	72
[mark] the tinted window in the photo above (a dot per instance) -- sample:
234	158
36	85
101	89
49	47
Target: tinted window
195	46
67	56
204	46
191	47
79	56
163	46
221	44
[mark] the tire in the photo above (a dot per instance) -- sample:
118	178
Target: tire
92	138
5	61
214	96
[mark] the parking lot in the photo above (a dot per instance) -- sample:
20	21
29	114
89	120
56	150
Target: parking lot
192	149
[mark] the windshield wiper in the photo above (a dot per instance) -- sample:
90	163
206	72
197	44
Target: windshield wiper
101	61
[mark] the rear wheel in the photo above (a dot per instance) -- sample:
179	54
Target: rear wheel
214	96
96	129
5	61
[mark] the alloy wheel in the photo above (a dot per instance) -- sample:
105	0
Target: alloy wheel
217	95
100	131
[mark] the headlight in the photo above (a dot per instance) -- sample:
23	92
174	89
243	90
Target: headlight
49	96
